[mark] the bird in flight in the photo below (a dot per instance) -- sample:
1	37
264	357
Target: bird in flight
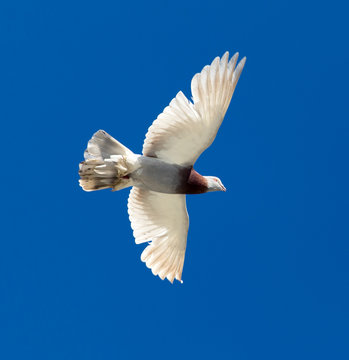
164	174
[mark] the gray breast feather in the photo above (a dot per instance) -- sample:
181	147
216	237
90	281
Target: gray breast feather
160	176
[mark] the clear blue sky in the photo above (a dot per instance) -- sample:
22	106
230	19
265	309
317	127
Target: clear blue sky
266	274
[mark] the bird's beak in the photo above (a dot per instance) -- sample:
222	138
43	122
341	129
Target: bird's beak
224	189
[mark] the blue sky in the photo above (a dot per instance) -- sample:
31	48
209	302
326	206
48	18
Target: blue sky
266	274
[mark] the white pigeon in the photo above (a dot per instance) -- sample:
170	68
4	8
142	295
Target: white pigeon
164	174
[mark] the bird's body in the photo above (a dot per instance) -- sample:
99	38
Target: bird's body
164	174
160	176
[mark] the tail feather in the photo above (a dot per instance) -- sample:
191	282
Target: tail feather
102	146
107	164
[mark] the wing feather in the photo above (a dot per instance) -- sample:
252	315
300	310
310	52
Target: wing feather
185	129
162	220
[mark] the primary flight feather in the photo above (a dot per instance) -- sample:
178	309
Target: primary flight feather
164	174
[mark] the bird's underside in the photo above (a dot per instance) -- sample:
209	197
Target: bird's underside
162	176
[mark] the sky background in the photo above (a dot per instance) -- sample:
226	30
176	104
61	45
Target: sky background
266	274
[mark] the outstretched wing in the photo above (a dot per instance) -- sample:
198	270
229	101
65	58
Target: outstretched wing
162	220
184	129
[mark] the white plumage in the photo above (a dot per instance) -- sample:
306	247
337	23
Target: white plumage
164	174
184	129
163	219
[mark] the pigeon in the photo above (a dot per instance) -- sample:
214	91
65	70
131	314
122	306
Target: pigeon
162	176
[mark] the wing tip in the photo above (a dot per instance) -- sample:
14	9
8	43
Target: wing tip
225	57
239	68
170	273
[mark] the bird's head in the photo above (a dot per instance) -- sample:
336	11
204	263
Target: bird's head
214	184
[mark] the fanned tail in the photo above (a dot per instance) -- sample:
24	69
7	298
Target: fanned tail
107	164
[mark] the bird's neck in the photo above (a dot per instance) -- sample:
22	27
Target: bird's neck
196	183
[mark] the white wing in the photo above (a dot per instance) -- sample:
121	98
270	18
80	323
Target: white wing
184	130
163	220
